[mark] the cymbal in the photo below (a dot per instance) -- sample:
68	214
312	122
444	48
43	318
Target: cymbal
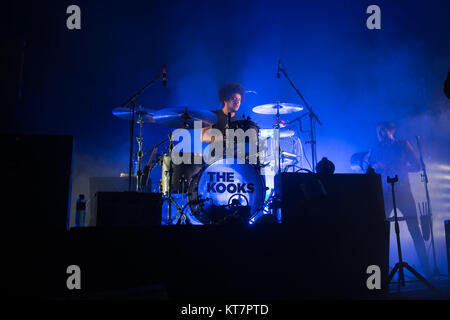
184	117
124	113
271	108
269	133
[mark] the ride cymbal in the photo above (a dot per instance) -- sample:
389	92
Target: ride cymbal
271	108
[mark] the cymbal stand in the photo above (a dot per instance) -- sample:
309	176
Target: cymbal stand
139	140
133	106
436	272
132	101
275	207
402	264
277	140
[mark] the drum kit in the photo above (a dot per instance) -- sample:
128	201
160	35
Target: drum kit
217	192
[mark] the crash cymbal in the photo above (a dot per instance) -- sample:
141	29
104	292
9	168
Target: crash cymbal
124	113
271	108
269	133
184	117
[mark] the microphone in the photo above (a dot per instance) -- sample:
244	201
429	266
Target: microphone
228	120
164	76
279	69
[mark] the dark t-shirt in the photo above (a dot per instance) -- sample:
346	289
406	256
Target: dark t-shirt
222	119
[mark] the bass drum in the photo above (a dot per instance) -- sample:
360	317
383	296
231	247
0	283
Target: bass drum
226	185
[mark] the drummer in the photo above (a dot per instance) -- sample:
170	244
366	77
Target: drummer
231	96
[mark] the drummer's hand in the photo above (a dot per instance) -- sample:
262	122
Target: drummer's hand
207	137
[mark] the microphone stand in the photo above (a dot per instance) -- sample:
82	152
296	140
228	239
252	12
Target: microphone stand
132	101
430	220
312	122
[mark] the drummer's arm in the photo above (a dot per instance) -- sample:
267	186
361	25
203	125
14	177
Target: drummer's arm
205	137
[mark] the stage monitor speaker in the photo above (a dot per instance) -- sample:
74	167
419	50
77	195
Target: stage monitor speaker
128	209
343	217
37	177
105	184
349	197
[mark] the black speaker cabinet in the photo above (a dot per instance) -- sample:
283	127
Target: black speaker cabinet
37	178
349	197
342	216
128	209
105	184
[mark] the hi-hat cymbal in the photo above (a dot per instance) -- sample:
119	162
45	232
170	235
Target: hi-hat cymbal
269	133
271	108
184	117
124	113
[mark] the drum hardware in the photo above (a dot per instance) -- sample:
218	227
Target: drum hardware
169	197
168	189
277	109
146	172
151	163
274	206
178	117
266	210
282	159
277	140
143	116
139	140
132	101
189	203
269	133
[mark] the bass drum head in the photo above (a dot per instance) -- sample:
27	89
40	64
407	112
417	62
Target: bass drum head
226	185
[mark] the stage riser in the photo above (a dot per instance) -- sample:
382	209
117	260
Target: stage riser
261	262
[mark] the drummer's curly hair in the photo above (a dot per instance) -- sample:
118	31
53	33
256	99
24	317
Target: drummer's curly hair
228	90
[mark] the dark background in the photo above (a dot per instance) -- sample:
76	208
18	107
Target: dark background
61	81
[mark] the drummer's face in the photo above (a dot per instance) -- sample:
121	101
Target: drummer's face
234	102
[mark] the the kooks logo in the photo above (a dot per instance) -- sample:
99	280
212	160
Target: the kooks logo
220	182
